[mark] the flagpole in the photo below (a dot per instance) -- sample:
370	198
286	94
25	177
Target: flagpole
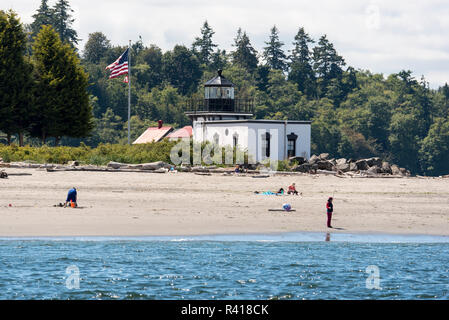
129	92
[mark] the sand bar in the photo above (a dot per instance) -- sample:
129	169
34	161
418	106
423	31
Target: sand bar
135	204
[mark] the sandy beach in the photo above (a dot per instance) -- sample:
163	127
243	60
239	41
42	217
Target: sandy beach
145	204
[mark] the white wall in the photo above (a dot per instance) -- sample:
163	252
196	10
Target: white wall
250	136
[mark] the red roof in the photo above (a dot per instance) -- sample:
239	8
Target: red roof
153	134
185	132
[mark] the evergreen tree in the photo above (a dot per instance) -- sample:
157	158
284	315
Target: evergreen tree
96	47
15	79
63	22
182	69
273	53
203	47
62	105
244	55
327	64
43	16
301	71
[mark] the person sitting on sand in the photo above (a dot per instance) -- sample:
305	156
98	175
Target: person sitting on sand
71	197
292	189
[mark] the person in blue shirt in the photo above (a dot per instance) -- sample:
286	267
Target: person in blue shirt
71	197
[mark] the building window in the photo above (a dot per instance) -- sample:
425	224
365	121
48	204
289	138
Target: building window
266	144
235	140
291	144
216	138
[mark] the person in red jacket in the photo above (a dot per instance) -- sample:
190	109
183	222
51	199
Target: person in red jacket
330	209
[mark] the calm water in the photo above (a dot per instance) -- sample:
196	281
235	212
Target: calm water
290	266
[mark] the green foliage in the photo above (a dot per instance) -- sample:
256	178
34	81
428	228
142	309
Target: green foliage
15	77
62	102
354	113
244	56
273	53
100	155
203	47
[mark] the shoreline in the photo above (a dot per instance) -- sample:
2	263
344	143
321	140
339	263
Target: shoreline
298	236
186	204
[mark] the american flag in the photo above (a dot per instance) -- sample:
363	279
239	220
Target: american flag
120	66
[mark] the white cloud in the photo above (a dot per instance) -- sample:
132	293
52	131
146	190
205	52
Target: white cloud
380	35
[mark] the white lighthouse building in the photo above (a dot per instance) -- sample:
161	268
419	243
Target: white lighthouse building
226	121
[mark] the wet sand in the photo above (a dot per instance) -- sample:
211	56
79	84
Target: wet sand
146	204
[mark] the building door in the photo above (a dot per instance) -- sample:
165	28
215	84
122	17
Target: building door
291	145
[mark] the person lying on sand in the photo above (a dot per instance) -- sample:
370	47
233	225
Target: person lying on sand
71	198
280	192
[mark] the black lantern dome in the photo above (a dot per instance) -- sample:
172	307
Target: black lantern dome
219	93
219	102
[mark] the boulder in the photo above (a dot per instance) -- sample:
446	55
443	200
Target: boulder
324	165
352	166
343	167
305	167
341	161
362	165
324	156
395	170
73	163
386	168
374	169
374	162
313	159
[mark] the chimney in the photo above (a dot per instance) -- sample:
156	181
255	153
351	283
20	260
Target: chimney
159	124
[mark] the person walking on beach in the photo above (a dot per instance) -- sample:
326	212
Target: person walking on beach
330	209
71	197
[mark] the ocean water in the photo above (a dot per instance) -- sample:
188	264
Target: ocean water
287	266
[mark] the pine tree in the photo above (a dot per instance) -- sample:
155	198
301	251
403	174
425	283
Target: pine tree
62	105
301	71
327	64
203	47
244	55
63	22
15	79
273	53
43	16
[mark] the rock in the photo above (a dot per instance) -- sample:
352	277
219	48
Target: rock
305	167
313	159
298	160
324	165
386	168
324	156
3	175
374	162
343	167
374	169
395	170
362	165
404	172
352	166
73	163
341	161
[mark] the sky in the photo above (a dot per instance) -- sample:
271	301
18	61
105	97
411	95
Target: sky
382	36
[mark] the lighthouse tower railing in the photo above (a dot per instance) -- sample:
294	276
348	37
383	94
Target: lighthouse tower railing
220	105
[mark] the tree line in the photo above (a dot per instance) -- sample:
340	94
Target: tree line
354	113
